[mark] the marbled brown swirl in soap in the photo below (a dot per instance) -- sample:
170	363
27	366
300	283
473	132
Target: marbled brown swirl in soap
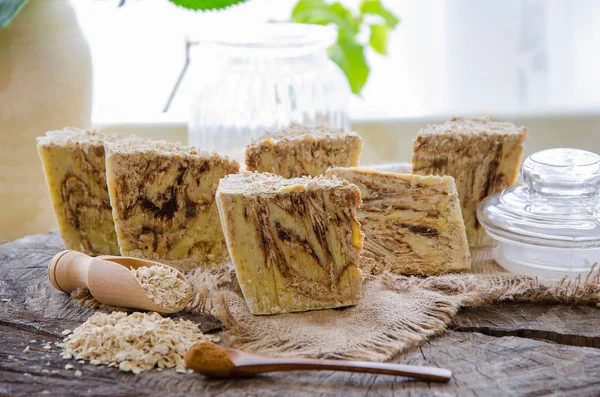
74	164
163	200
303	151
482	155
412	223
295	242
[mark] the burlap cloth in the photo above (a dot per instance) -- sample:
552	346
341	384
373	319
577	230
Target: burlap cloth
395	313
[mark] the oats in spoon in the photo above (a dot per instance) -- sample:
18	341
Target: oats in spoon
164	285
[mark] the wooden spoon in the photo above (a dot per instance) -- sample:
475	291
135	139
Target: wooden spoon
211	360
108	278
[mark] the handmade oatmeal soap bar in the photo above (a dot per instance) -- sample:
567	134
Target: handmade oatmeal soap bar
412	223
303	151
162	196
482	155
74	167
295	243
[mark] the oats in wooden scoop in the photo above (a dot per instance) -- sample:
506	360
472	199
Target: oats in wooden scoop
164	285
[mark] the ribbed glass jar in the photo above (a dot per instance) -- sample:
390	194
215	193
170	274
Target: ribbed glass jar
270	77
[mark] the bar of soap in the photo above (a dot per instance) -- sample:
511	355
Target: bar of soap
74	166
482	155
295	243
412	223
303	151
163	199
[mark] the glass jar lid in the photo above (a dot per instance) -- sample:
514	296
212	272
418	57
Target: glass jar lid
557	206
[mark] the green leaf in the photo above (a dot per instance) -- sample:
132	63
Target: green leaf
204	5
8	10
304	5
350	57
348	53
379	38
321	13
374	7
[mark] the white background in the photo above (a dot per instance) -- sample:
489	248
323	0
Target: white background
445	57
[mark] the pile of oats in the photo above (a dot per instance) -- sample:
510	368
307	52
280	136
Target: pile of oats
135	342
164	285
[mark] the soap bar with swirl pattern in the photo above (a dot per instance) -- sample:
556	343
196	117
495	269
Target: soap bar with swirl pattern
163	199
303	151
295	243
74	166
482	155
412	223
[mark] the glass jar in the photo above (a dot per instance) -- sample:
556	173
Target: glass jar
549	226
269	77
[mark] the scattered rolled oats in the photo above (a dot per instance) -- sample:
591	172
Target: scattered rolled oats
135	342
77	373
68	366
26	350
47	347
66	332
164	285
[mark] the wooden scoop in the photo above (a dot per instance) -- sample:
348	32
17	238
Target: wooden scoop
108	278
211	360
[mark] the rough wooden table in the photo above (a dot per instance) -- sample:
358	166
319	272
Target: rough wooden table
511	350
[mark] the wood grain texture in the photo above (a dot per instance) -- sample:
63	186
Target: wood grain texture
567	325
503	362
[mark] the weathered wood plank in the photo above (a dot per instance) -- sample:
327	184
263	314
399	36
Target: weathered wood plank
567	325
483	365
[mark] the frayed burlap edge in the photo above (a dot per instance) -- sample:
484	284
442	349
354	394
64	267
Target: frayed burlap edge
470	290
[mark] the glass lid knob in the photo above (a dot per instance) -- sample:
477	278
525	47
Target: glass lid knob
562	172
